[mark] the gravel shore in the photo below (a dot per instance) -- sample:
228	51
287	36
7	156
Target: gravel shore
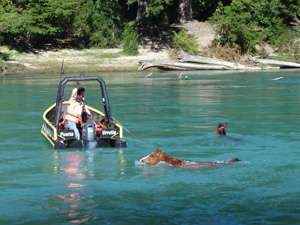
97	60
88	60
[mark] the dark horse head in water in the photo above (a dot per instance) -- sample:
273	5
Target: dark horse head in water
159	156
221	129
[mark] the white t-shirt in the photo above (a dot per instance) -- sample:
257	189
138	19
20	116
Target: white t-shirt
74	93
78	109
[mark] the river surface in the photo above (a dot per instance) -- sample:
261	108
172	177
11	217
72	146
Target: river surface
41	185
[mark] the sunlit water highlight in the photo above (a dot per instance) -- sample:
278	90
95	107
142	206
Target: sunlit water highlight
40	185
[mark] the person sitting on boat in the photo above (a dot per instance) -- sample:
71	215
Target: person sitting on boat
71	100
80	92
73	116
221	129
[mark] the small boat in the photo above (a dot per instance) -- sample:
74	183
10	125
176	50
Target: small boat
100	130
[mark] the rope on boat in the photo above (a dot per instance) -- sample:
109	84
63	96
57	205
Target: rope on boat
140	139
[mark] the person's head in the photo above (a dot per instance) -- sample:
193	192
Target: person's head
80	91
79	99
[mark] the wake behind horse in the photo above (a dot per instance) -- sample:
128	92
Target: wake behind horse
160	156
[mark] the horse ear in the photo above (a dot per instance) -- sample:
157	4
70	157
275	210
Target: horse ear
158	149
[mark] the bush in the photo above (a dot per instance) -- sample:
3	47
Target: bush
130	41
251	22
188	44
4	56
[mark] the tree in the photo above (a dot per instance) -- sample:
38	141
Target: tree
204	9
142	17
29	23
185	11
247	23
147	10
98	23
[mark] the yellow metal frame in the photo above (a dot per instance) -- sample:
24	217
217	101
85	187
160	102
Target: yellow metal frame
46	136
49	124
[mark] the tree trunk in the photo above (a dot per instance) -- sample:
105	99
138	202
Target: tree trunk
281	64
141	18
177	66
185	11
184	57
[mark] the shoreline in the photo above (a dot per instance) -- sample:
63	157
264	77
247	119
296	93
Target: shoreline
114	60
87	60
100	60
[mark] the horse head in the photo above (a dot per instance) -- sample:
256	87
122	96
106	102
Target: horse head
154	157
233	160
221	129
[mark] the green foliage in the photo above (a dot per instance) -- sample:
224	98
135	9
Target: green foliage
43	17
27	23
102	56
287	43
98	23
4	56
248	22
242	24
235	25
157	6
32	22
283	39
130	41
110	55
185	42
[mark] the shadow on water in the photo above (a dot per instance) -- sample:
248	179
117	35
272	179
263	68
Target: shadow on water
229	138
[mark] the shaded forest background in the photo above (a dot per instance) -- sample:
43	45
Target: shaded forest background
241	25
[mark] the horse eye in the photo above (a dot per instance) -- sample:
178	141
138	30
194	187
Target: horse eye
152	155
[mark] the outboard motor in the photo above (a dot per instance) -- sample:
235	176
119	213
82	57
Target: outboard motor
89	135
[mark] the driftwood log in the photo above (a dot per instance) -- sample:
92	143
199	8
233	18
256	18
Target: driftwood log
281	64
192	62
145	64
185	57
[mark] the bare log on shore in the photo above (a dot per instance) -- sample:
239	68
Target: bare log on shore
4	70
281	64
145	64
185	57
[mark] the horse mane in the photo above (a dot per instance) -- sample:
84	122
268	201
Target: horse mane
167	155
171	158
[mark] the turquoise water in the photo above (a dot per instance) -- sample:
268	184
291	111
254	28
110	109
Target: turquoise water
40	185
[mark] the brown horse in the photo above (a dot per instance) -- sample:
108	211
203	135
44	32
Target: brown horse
159	156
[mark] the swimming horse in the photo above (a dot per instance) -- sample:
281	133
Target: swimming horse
158	156
222	133
221	129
